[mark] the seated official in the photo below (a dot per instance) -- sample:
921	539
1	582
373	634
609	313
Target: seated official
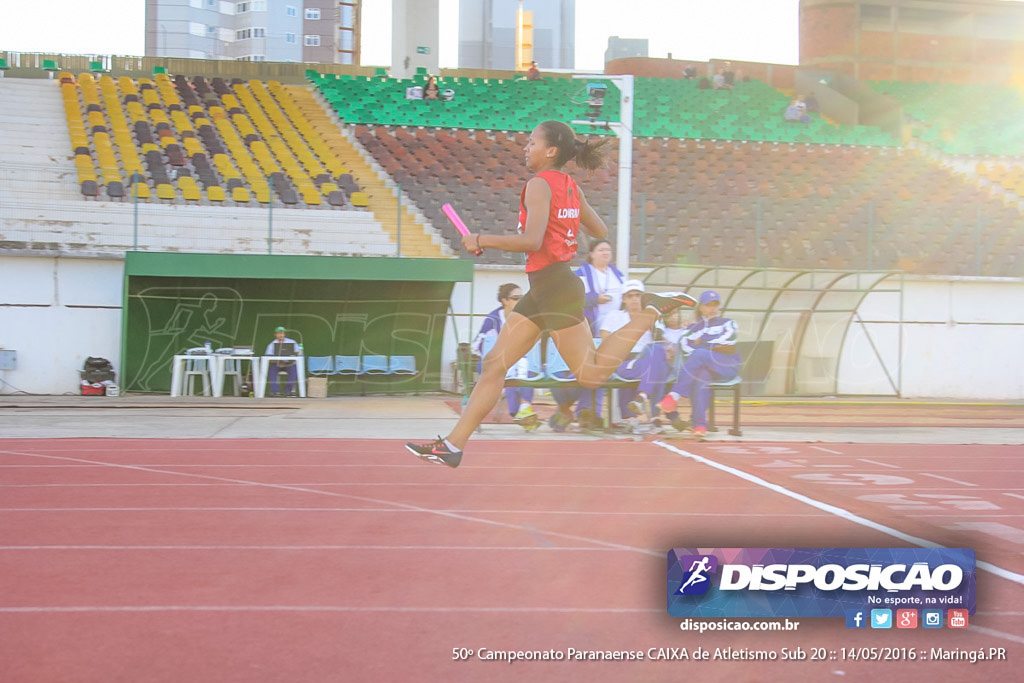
283	346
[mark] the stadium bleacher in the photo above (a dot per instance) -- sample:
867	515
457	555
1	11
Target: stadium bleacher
963	118
723	178
817	204
200	142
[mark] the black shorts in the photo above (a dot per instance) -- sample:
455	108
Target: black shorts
555	299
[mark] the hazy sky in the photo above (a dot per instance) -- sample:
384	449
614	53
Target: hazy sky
755	30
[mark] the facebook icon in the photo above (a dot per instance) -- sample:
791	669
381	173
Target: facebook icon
856	618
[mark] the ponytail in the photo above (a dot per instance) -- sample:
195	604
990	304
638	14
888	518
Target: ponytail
587	155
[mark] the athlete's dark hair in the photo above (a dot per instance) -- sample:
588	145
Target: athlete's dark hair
587	155
594	245
506	289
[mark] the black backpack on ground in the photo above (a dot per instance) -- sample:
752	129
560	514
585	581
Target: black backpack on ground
97	370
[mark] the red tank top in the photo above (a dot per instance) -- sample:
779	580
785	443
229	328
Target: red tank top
563	229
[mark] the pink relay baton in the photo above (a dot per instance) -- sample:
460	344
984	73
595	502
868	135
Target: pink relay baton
449	211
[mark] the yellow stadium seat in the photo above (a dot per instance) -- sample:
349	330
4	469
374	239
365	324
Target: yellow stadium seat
359	199
240	195
262	195
191	194
215	193
140	190
311	196
165	191
327	188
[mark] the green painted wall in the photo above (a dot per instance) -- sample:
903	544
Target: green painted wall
332	306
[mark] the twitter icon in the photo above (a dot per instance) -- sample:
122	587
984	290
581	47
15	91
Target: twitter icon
881	618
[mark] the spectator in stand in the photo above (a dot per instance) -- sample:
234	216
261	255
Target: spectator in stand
519	399
812	102
703	83
796	114
690	72
431	91
729	74
719	82
741	76
534	73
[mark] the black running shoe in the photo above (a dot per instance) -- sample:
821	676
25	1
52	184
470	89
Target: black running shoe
667	302
436	452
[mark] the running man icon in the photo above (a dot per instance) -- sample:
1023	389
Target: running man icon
696	579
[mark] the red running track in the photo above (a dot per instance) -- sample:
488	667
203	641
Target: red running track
329	560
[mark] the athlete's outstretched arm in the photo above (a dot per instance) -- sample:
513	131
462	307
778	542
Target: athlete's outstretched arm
538	205
590	221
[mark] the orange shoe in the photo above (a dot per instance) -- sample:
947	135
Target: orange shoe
700	432
667	405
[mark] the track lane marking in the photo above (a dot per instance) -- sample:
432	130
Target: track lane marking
837	511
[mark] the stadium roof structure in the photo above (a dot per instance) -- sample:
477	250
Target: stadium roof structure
809	316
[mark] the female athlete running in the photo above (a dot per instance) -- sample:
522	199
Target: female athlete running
552	211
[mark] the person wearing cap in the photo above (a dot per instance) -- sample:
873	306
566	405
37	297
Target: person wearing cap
283	346
648	361
709	348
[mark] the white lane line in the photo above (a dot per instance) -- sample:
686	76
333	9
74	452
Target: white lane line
1014	495
303	547
955	481
326	608
431	485
338	466
473	511
837	511
880	464
827	450
404	506
997	634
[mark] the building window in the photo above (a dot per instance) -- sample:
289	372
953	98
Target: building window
291	11
289	38
312	13
241	8
259	33
312	41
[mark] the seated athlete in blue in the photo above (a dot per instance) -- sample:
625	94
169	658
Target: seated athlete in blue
552	212
519	399
709	348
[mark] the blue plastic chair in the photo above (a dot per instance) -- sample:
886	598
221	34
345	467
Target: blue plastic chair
346	365
374	365
320	366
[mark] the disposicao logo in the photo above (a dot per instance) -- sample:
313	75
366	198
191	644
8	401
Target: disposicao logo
818	582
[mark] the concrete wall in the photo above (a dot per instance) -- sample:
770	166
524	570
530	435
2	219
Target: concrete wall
55	312
414	24
961	337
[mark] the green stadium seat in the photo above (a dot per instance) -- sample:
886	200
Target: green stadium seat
4	66
50	65
97	68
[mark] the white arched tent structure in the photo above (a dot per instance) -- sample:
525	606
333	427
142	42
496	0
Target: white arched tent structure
810	320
